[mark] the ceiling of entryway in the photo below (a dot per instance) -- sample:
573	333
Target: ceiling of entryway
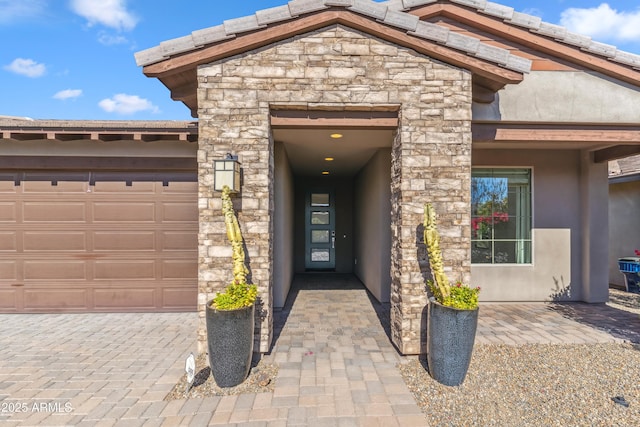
308	148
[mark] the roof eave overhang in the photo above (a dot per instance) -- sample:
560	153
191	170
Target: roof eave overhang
178	73
529	38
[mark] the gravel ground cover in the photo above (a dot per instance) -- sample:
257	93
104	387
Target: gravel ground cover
538	384
261	380
535	385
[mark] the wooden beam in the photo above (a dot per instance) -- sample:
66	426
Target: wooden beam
293	122
185	91
620	135
617	152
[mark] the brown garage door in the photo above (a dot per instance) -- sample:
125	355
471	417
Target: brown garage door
103	241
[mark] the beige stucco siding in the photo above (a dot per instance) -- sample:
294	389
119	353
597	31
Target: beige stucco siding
371	226
283	226
557	220
624	223
564	96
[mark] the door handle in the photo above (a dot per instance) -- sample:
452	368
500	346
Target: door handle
333	243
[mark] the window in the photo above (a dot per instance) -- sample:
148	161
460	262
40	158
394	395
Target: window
500	216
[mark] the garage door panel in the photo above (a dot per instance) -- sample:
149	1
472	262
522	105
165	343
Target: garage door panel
120	212
57	299
179	298
131	298
8	299
52	186
179	240
55	269
115	269
116	241
54	212
179	212
180	269
9	270
186	188
69	245
8	211
121	187
51	241
7	183
8	240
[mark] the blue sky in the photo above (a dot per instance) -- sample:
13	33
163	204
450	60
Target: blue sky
73	59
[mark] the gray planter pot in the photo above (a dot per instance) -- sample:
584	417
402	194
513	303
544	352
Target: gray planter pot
450	337
230	342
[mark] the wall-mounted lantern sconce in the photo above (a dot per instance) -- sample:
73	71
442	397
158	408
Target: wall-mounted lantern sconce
227	172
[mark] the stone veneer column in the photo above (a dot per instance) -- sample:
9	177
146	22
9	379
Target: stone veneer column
337	68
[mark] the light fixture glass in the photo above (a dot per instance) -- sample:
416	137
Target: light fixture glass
325	172
336	135
227	172
329	159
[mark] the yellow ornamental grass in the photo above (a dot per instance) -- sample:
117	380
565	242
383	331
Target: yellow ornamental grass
432	240
234	235
239	293
457	296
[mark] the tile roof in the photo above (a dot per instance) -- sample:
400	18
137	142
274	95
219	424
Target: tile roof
390	13
393	13
535	25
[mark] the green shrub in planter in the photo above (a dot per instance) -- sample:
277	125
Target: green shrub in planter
235	296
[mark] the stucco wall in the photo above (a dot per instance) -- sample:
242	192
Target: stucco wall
337	68
555	269
283	226
564	96
624	225
372	191
569	192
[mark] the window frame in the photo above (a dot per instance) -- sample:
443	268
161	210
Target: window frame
531	170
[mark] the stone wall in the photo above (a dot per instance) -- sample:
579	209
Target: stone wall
337	68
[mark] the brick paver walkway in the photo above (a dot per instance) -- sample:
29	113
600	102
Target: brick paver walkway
337	366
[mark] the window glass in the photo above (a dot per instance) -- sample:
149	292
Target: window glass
320	255
319	236
320	218
501	216
319	199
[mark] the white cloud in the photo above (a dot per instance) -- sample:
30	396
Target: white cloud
109	40
603	23
68	94
26	67
12	10
127	104
110	13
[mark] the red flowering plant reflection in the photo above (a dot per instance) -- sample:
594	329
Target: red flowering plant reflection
481	225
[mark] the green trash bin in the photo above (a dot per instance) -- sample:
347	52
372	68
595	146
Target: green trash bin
630	267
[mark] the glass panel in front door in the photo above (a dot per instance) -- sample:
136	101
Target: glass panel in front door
320	235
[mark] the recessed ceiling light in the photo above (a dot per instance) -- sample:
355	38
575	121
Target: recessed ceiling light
325	172
336	135
329	159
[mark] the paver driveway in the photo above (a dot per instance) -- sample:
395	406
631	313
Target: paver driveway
337	365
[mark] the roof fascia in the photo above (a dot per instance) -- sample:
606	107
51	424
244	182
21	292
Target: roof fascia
495	75
523	36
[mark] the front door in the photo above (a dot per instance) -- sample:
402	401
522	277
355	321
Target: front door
320	230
